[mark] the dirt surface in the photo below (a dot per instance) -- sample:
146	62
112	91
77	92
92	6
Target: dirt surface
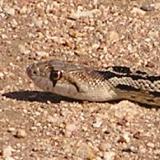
40	126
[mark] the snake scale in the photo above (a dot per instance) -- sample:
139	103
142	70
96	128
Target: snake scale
82	82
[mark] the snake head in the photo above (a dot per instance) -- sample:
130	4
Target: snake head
53	76
70	80
44	74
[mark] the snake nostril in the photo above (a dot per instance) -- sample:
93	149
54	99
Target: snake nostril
34	72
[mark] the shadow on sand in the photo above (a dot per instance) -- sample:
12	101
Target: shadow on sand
44	97
38	96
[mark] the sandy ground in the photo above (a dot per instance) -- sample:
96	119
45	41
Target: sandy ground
40	126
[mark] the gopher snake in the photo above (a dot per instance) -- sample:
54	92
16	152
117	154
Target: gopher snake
85	83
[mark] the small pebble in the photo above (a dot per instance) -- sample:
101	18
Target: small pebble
157	5
105	146
14	23
97	123
37	22
126	136
113	36
11	129
1	75
85	152
109	155
80	13
51	119
150	144
138	11
21	133
147	7
9	10
23	49
42	54
7	152
69	129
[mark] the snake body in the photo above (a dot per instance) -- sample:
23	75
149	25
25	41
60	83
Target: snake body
82	82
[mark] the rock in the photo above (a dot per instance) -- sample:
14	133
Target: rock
126	137
11	129
84	151
21	133
150	144
1	4
9	10
69	129
37	22
98	122
105	146
147	7
109	155
113	36
2	75
42	54
23	10
157	5
130	149
80	13
51	119
138	11
7	152
4	36
23	49
14	23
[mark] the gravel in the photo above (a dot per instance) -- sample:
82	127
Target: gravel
38	125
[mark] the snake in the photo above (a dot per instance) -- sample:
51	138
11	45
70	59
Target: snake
86	83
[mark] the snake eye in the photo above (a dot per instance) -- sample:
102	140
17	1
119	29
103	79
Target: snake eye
55	75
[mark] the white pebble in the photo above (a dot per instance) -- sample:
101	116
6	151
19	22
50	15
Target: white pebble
109	156
21	133
42	54
9	10
7	152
